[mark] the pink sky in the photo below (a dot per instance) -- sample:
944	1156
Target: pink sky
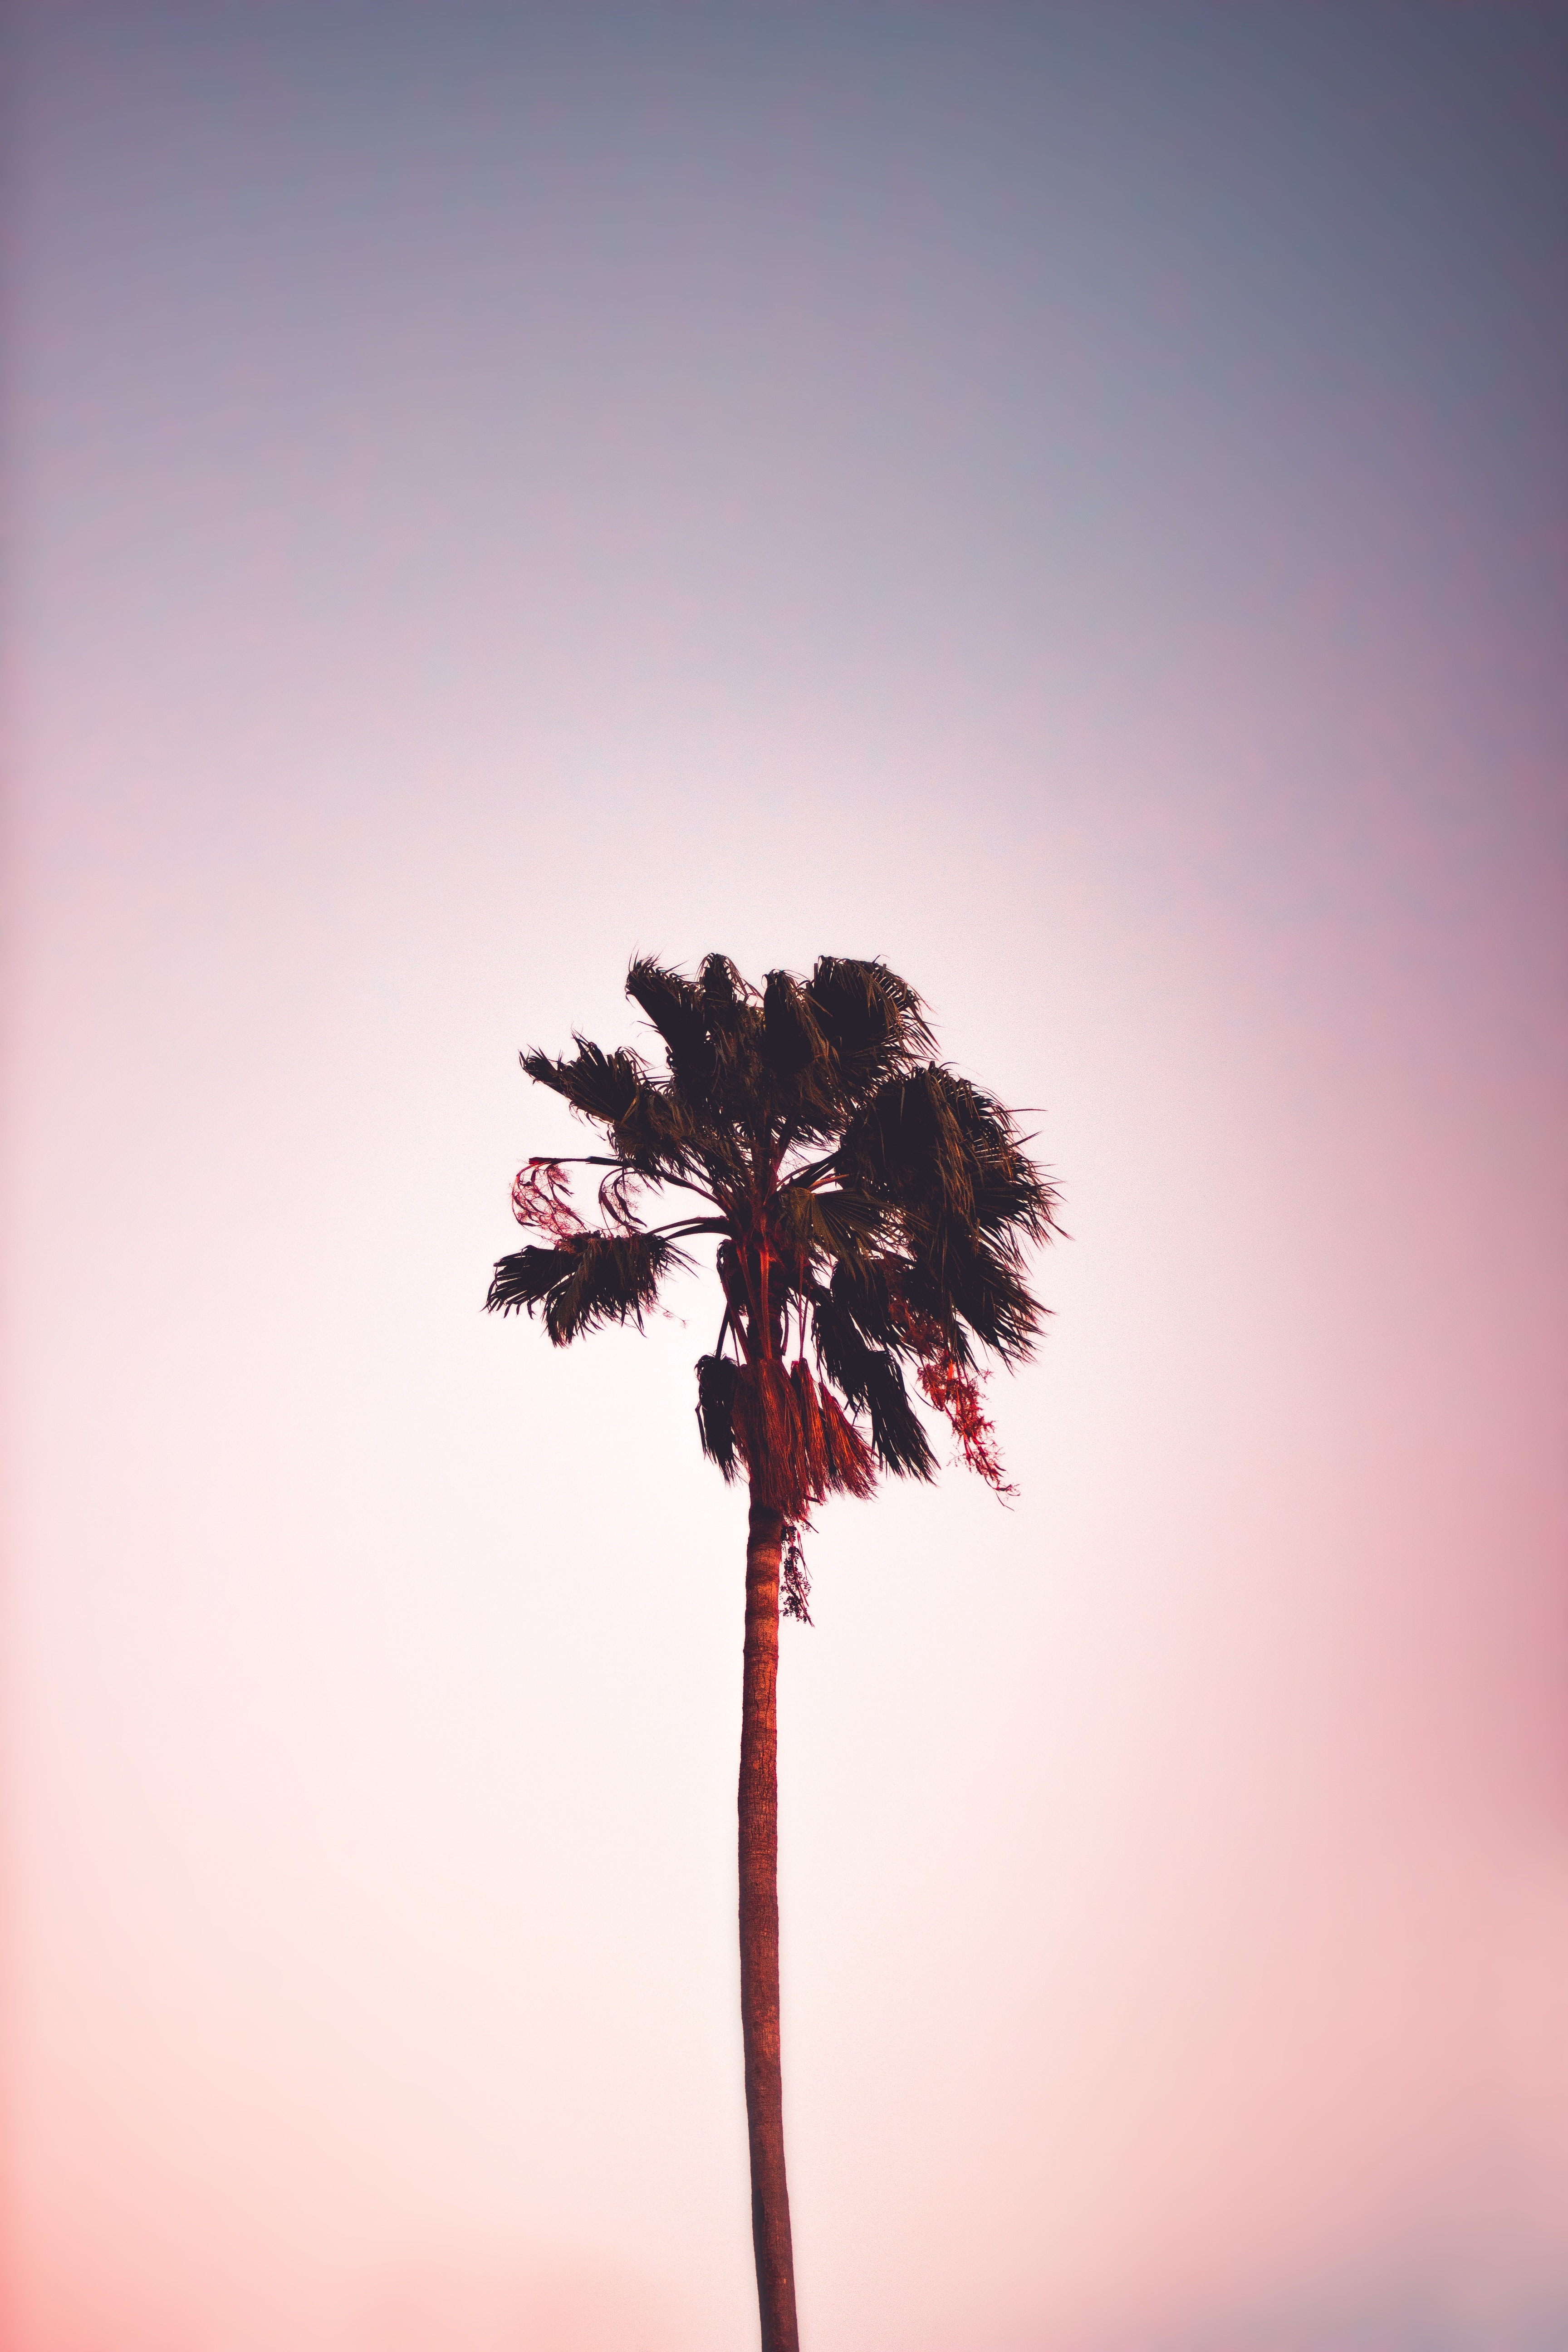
1070	502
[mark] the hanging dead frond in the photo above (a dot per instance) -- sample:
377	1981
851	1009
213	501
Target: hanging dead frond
794	1580
716	1382
851	1464
797	1443
808	1415
767	1434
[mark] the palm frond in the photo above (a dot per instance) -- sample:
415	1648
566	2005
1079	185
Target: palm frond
541	1197
835	1225
603	1087
873	1020
997	1304
716	1381
868	1289
959	1276
615	1279
798	1445
1010	1193
724	991
793	1039
1013	1198
871	1378
525	1278
675	1006
851	1463
794	1578
808	1414
906	1145
600	1278
741	1091
658	1133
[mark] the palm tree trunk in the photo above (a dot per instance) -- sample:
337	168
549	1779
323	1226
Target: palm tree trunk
760	1934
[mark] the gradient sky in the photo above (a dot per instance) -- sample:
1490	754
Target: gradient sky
1071	501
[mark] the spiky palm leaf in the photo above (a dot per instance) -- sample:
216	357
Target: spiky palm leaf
593	1278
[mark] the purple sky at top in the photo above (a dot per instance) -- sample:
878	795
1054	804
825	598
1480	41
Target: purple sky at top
1070	499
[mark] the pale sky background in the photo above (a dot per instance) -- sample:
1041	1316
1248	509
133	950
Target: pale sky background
1069	499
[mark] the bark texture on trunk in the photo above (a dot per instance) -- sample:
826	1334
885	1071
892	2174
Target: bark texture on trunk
760	1934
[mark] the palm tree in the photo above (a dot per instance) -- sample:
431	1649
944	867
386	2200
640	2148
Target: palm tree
860	1194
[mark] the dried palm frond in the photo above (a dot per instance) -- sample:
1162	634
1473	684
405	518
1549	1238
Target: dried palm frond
951	1385
767	1433
795	1581
716	1383
540	1197
798	1445
851	1465
808	1415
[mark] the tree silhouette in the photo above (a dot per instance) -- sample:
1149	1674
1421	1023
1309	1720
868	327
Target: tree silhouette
869	1206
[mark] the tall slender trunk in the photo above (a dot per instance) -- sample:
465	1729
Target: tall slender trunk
759	1809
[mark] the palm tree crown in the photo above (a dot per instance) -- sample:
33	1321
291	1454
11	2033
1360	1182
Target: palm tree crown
863	1196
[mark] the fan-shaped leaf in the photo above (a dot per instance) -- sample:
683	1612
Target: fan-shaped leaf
525	1278
676	1009
603	1087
